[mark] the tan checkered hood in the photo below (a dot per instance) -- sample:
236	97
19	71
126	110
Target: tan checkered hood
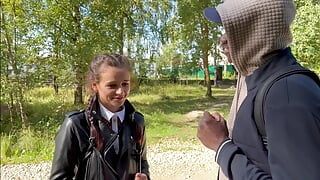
255	28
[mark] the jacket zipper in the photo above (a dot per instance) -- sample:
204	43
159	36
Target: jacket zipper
108	146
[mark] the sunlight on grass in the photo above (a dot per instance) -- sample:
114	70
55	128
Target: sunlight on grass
166	109
26	146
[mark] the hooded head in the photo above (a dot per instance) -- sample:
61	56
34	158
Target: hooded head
255	28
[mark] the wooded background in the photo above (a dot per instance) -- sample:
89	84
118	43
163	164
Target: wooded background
52	41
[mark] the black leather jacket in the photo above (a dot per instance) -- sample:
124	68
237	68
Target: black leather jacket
72	143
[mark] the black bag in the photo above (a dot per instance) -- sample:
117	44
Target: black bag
264	89
96	168
138	129
94	165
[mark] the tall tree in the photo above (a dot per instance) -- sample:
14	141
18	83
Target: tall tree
198	33
68	38
18	48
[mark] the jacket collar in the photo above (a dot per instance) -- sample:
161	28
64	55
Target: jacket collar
107	114
96	111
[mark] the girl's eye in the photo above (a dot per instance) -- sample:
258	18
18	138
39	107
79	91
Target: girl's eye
125	84
112	86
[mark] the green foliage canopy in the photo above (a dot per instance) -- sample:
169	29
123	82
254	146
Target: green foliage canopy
306	33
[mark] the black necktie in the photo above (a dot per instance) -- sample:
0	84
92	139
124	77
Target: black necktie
115	122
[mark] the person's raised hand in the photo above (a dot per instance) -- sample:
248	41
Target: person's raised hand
212	130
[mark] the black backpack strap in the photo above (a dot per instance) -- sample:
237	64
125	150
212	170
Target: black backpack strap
264	89
138	129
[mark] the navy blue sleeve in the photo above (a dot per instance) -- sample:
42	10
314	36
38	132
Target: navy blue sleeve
236	165
292	115
292	118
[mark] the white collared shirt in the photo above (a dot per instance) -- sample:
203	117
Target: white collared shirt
108	114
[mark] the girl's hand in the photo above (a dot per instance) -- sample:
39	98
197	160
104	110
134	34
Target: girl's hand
141	176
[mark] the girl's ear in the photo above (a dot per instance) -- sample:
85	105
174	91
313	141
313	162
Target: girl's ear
94	87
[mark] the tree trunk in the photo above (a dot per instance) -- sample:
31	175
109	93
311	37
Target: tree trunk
121	34
10	107
56	55
78	91
10	101
77	66
22	114
205	53
55	84
12	49
216	68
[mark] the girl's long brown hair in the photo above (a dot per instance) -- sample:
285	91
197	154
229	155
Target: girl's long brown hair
93	75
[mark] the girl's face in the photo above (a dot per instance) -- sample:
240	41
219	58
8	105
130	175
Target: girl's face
113	87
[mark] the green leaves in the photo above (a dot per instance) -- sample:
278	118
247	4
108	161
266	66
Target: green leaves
42	39
306	33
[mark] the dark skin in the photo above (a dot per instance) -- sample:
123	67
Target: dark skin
224	46
212	130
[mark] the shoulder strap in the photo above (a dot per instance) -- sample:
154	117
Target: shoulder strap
138	127
264	89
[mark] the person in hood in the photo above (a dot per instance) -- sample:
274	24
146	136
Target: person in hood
107	140
258	38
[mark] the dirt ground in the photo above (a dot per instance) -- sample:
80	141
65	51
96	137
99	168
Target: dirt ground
168	160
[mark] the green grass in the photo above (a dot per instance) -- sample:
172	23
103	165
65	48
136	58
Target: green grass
164	107
26	146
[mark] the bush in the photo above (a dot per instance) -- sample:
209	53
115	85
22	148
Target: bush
228	75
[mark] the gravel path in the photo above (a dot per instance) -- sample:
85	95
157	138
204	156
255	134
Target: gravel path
169	159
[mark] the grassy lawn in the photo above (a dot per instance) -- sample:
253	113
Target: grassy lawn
166	109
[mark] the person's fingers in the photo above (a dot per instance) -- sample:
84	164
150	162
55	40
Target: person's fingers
141	176
202	123
206	118
138	176
206	115
217	116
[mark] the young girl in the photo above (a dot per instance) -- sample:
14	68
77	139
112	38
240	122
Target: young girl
107	140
